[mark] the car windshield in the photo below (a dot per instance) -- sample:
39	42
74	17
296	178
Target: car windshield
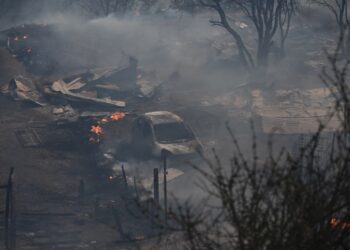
172	132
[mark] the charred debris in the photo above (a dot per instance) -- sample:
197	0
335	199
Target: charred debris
97	89
83	104
72	112
95	96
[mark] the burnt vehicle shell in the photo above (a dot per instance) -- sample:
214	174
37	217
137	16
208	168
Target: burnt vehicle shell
162	132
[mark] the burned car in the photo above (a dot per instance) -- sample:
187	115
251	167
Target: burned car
139	139
162	132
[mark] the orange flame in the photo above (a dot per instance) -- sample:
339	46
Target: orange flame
334	222
97	130
117	116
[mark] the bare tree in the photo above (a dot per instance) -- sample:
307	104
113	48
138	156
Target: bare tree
340	11
267	16
288	201
285	19
146	5
184	5
100	8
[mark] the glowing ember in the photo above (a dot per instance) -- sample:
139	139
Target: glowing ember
104	120
117	116
97	130
334	223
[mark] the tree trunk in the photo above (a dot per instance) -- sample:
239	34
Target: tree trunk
347	44
263	55
282	52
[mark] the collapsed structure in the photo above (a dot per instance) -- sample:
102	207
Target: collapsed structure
101	89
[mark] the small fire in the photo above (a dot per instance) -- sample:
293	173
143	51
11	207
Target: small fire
97	130
334	223
117	116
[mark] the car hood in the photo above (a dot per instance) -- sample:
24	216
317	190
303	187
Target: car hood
180	148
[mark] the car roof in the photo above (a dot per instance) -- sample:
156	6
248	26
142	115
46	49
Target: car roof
162	117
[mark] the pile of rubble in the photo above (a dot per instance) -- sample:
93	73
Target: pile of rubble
98	89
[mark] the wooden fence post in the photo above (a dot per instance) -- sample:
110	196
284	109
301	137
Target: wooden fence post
124	178
10	218
165	188
156	187
155	204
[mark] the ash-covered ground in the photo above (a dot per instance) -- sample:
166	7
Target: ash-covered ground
64	198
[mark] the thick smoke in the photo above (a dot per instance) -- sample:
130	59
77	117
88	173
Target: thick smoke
203	55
